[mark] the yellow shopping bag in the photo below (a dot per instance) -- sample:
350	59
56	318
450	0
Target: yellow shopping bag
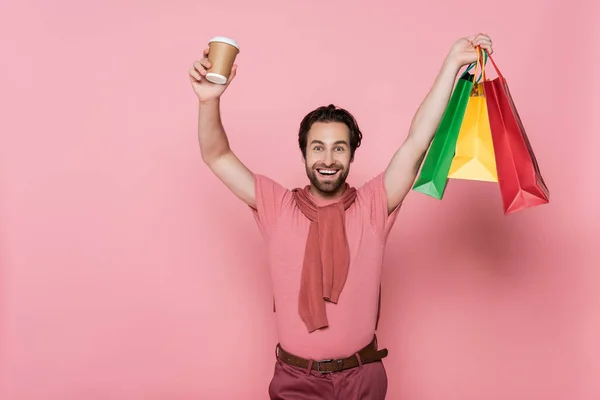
474	158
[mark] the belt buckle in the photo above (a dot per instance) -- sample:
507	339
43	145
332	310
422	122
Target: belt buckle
319	366
339	362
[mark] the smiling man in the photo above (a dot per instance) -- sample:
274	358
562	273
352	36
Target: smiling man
328	138
326	240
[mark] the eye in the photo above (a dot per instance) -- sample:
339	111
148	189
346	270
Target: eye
317	148
339	148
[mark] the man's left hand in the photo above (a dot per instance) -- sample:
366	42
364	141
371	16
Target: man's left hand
464	51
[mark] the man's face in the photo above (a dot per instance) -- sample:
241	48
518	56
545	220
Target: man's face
328	156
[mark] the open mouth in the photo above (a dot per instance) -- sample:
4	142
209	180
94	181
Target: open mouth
327	171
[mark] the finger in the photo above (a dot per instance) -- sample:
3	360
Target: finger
473	38
198	67
195	74
232	74
482	42
205	52
487	48
205	63
483	36
486	45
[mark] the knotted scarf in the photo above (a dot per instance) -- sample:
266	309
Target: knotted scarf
326	257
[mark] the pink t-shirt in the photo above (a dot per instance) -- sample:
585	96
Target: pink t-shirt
285	229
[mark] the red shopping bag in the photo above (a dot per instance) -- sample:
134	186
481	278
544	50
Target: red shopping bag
521	183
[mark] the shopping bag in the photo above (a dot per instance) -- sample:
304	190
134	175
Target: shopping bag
433	177
474	157
519	177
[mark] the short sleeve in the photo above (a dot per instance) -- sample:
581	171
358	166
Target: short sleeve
271	198
373	194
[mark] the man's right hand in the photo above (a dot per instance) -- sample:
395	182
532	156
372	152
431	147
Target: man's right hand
204	89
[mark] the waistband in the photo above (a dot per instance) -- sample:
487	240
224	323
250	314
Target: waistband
366	355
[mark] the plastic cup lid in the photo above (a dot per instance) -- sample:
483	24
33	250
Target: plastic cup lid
216	78
224	39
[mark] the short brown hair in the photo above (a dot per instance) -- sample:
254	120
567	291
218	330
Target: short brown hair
330	113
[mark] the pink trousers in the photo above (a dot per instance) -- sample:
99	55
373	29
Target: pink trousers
366	382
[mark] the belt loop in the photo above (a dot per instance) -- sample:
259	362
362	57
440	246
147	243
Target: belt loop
309	368
277	351
360	363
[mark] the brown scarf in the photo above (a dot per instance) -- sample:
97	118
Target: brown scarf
326	257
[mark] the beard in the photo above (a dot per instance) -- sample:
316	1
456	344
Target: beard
324	183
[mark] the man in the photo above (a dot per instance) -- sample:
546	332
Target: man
326	240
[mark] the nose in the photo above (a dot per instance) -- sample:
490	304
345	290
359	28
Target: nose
329	160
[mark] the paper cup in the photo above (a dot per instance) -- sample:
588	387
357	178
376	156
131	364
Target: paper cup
222	54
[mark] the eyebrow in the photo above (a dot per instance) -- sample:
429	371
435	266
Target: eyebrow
336	142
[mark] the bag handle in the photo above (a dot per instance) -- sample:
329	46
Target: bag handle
481	61
495	66
482	74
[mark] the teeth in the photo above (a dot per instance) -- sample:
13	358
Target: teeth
327	171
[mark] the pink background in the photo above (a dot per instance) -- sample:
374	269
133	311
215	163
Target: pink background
129	272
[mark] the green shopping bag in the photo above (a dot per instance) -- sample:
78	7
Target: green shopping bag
433	176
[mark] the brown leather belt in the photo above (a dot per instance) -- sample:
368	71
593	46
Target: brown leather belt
367	354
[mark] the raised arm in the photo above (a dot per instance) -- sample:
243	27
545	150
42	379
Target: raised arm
214	145
404	166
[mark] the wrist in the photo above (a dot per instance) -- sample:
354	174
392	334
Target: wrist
452	64
209	102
